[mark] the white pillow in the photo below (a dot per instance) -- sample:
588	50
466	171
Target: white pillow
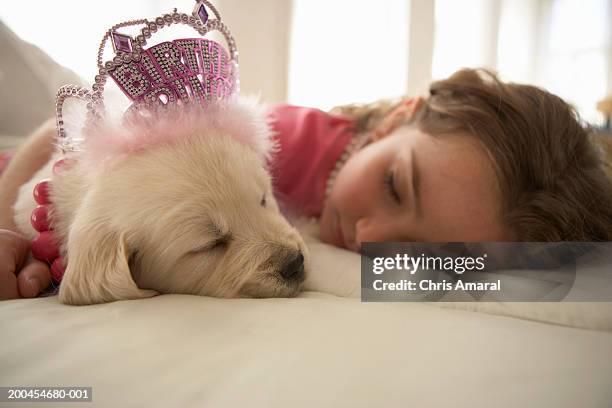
29	79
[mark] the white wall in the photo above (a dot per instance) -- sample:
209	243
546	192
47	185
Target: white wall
261	30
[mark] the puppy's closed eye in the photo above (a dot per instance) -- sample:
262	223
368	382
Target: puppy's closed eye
217	244
263	201
220	242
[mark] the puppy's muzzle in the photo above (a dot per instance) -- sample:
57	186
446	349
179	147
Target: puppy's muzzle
281	274
293	269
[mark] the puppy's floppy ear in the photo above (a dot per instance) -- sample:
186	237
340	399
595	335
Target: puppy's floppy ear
98	269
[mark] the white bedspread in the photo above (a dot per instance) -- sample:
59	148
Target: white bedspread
316	350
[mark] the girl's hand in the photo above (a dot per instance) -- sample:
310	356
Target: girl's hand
20	277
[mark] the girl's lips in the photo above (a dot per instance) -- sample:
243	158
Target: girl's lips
339	238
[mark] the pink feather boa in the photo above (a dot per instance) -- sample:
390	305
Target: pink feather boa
243	119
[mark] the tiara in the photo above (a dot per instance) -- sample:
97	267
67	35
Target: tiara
171	73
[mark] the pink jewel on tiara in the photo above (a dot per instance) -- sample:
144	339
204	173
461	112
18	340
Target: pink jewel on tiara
121	42
200	10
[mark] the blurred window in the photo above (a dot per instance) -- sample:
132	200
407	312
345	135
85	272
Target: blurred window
347	51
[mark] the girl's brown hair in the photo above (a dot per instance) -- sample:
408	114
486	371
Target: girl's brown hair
549	169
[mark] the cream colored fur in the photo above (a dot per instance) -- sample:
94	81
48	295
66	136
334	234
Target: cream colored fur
144	223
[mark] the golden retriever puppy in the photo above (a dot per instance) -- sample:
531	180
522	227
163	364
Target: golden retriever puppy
182	203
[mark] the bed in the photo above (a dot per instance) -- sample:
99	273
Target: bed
324	348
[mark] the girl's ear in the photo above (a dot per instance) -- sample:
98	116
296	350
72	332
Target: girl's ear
399	115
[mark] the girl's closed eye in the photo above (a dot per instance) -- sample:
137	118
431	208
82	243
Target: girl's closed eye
390	186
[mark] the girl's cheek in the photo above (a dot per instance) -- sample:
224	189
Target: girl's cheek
353	180
345	184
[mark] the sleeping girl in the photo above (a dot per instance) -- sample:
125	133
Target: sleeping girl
476	160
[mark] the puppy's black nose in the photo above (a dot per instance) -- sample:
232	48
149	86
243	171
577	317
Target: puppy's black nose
294	268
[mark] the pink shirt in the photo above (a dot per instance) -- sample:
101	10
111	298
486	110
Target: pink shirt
310	143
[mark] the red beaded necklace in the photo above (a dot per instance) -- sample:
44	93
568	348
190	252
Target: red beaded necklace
45	247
